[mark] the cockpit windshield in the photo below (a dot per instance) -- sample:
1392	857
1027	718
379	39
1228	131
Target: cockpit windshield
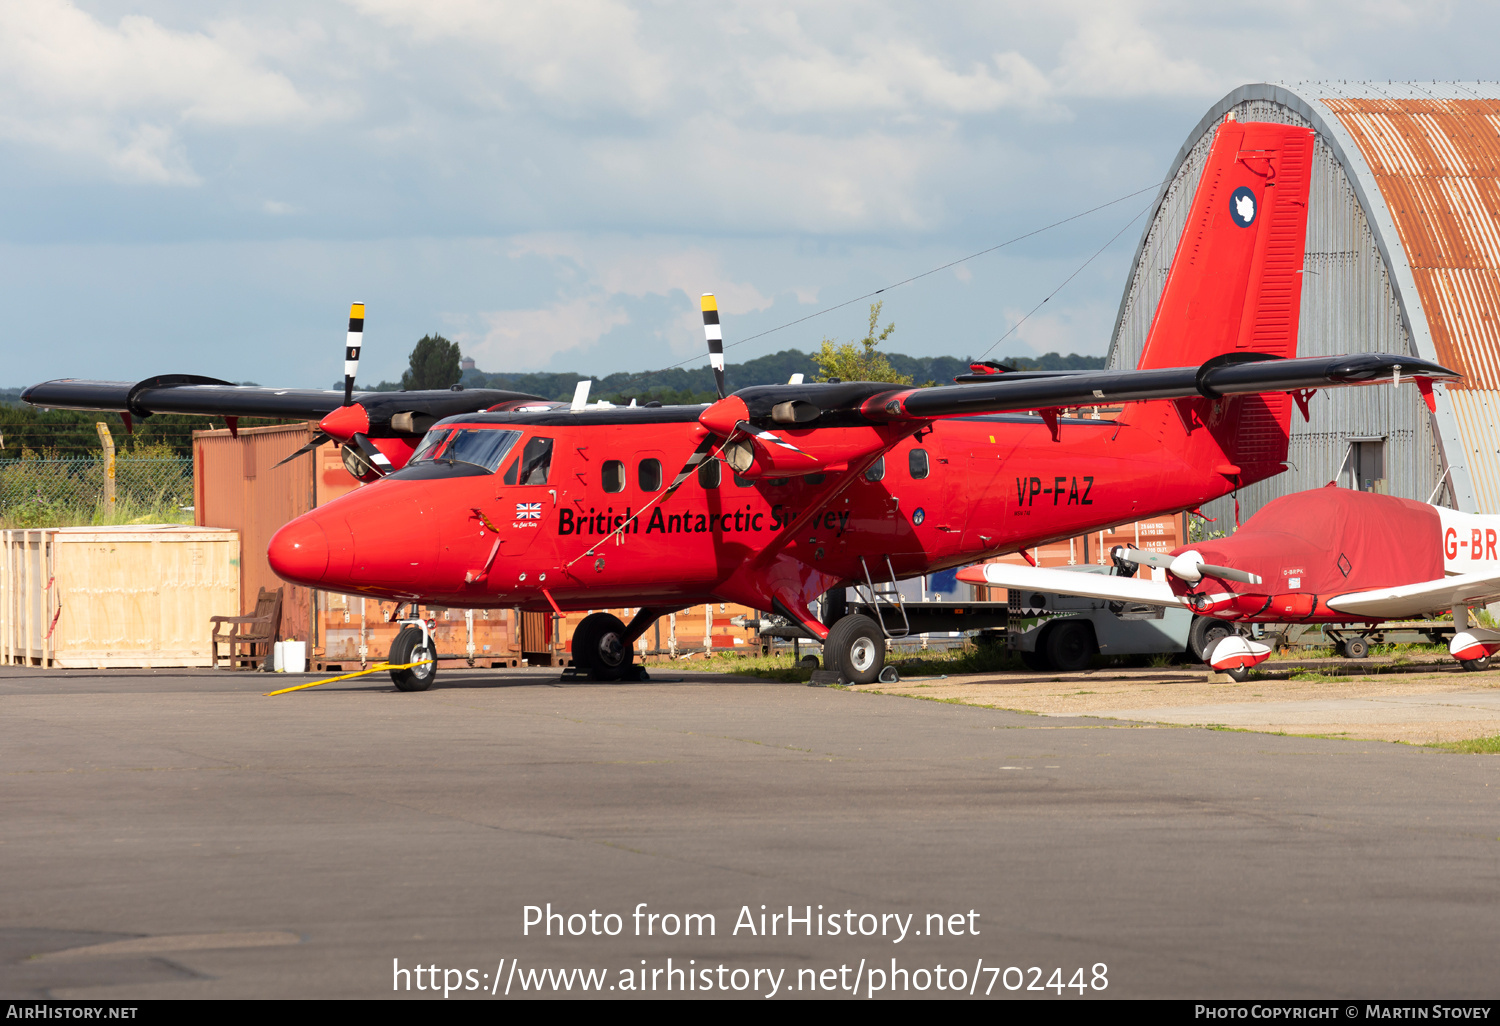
477	447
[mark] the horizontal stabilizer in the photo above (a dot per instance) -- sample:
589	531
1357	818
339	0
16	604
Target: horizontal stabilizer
1424	597
1068	582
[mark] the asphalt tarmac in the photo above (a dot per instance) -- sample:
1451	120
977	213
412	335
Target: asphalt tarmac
176	834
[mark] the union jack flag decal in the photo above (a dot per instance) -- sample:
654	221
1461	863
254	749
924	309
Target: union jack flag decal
528	511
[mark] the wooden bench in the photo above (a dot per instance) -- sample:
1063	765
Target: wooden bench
254	635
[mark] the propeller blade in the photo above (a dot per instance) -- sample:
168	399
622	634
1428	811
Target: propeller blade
690	467
715	338
317	440
363	460
1158	559
1226	573
351	349
1189	566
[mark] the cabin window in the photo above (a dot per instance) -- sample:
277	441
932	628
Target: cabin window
876	470
533	465
612	475
648	475
815	479
709	473
479	447
916	462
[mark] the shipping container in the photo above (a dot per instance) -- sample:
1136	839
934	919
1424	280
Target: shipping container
136	595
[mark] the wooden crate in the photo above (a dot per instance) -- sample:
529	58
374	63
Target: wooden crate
356	632
137	595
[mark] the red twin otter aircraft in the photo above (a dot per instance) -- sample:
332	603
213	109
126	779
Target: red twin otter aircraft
1330	555
788	491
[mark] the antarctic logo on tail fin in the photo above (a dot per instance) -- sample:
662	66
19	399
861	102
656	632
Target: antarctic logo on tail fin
1242	207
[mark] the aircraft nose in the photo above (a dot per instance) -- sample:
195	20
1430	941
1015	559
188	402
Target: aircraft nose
299	551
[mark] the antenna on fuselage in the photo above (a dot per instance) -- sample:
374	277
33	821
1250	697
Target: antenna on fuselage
714	335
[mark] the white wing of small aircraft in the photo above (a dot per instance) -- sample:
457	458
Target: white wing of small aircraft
1410	600
1068	582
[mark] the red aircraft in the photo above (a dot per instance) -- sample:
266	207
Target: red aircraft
792	490
1330	555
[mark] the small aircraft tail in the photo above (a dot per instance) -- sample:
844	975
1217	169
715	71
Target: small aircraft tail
1234	292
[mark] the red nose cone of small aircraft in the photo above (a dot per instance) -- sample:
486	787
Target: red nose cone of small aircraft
299	552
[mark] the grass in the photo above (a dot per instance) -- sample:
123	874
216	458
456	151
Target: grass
932	663
1474	746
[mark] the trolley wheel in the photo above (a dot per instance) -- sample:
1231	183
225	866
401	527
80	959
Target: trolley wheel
1356	648
599	647
409	647
1070	645
856	648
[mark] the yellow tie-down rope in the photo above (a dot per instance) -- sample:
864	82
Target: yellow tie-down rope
374	669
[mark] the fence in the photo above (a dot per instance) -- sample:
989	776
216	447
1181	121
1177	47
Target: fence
68	492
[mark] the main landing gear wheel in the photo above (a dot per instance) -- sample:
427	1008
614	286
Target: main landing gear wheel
856	648
409	647
599	647
1238	674
1472	665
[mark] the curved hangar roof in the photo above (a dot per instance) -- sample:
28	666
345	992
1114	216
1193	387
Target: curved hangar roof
1403	255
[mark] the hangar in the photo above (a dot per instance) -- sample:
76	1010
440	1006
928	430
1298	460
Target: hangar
1403	255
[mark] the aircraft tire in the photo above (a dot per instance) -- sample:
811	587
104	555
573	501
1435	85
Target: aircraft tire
1474	665
1238	674
1205	631
408	648
1070	646
599	647
856	647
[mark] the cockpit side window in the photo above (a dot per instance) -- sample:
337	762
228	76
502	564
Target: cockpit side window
533	465
478	447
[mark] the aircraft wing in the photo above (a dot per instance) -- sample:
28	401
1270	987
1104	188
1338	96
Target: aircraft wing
1213	380
837	403
1068	582
1409	600
210	397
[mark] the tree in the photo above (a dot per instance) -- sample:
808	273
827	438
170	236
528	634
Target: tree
847	362
434	364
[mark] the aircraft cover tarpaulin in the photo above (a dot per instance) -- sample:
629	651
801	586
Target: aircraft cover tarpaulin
1328	538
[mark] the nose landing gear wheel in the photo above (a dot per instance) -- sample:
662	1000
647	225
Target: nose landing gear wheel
856	647
599	647
409	647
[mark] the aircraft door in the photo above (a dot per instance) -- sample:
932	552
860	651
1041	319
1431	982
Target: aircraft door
527	497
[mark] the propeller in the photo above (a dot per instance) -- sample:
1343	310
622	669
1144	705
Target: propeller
317	439
714	335
1189	566
351	349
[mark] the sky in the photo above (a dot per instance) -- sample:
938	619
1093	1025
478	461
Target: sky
205	187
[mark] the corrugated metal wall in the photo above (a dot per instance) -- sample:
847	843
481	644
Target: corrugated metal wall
240	487
1347	306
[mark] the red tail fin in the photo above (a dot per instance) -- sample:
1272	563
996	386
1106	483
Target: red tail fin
1235	283
1236	287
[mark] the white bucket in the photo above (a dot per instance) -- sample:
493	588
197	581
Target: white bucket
293	656
278	657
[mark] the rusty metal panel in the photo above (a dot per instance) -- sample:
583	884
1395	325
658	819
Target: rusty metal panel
240	487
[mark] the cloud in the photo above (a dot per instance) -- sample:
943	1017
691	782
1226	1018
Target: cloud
516	340
581	54
119	95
